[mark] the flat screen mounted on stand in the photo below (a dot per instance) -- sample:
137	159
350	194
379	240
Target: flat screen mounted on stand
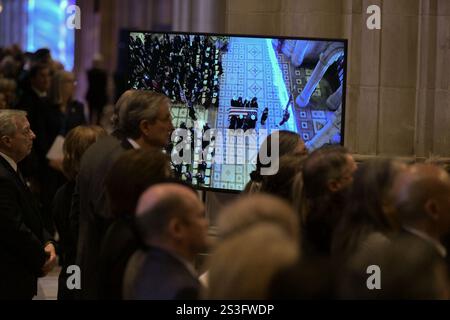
229	92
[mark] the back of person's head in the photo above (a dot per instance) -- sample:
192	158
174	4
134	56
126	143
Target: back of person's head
9	67
254	209
311	278
327	175
132	173
8	89
370	205
259	233
76	142
284	183
403	268
171	216
326	170
143	105
42	55
421	197
58	87
289	143
242	266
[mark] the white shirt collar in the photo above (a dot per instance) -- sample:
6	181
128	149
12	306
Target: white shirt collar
133	143
439	247
11	162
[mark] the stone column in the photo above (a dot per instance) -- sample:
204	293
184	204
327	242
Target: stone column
288	47
301	46
331	54
335	100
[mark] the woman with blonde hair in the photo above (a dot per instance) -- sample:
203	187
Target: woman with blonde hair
77	141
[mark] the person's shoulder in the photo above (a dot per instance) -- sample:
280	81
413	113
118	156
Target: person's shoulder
98	151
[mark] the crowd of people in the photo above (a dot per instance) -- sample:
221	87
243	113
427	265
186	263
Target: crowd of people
244	120
135	230
185	68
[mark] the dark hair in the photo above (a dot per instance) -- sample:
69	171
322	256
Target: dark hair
321	209
131	175
42	55
320	166
281	184
364	213
288	142
35	69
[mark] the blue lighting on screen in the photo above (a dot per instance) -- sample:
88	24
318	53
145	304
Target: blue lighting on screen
47	29
283	94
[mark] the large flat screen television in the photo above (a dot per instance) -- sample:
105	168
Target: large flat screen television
223	87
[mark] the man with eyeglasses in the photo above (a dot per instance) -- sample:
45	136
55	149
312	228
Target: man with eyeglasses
144	121
27	251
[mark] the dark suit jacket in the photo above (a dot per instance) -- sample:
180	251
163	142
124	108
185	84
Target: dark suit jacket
119	243
96	94
164	277
30	102
90	216
22	237
67	245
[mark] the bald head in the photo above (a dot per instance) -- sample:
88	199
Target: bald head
161	192
162	204
423	192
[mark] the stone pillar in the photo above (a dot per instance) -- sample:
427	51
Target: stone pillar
181	15
335	100
301	46
288	47
331	54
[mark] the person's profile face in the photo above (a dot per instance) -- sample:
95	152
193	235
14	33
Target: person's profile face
41	80
68	85
160	131
22	140
197	227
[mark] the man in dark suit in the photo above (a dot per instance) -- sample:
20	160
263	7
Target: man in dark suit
144	121
96	95
422	198
171	222
27	251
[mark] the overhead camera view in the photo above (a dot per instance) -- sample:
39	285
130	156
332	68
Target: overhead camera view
229	83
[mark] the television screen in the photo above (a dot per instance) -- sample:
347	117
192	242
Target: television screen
229	92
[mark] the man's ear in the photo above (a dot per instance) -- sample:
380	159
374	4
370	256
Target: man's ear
144	127
175	228
432	209
6	141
